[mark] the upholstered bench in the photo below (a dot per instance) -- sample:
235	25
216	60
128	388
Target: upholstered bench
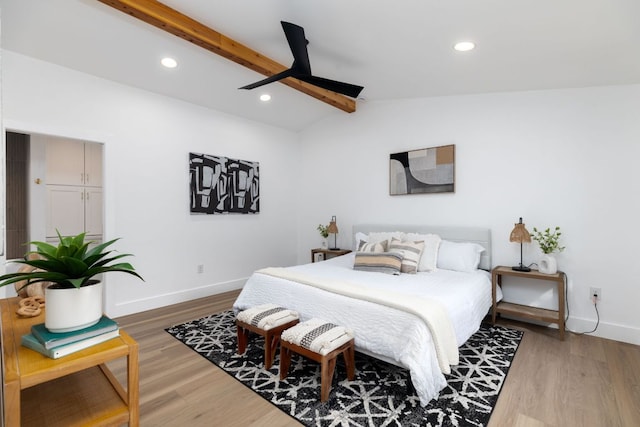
321	342
268	321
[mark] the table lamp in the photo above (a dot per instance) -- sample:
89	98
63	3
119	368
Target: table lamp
333	229
519	234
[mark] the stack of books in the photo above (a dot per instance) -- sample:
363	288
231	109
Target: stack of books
55	345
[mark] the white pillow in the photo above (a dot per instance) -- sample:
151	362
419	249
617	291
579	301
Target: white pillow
385	236
459	256
429	258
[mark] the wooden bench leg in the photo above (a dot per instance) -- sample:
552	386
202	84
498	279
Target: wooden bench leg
243	337
285	361
327	363
270	346
349	362
326	377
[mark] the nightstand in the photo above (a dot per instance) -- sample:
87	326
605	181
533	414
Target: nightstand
524	311
39	390
328	253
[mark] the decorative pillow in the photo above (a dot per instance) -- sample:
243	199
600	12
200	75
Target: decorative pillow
429	258
359	238
381	262
372	247
411	252
459	256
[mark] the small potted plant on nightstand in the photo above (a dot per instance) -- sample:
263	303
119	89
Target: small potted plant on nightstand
324	232
549	243
73	296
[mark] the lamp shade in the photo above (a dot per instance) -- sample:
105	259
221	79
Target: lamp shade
520	234
333	227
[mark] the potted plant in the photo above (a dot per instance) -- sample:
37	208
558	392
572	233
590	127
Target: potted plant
549	242
74	295
324	232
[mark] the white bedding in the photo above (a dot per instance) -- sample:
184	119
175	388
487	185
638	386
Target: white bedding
381	330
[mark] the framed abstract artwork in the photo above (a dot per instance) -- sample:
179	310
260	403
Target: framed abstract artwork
429	170
222	185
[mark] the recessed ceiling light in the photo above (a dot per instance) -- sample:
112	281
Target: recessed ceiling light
464	46
169	62
265	97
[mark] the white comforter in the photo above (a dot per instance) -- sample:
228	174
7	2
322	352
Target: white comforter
383	331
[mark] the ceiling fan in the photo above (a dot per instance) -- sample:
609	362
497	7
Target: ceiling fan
301	68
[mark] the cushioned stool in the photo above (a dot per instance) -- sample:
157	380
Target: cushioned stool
267	320
321	342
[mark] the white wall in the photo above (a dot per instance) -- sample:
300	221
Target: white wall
147	139
564	157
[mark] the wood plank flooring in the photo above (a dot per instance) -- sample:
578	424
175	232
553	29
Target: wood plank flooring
582	381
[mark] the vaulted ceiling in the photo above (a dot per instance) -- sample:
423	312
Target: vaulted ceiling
400	49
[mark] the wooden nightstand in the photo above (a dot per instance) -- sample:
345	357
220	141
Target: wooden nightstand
78	389
528	312
328	253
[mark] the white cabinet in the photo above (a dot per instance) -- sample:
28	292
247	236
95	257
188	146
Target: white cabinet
65	162
93	164
71	162
74	188
65	210
74	209
93	211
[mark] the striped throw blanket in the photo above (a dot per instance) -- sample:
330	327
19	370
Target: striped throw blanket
267	316
317	335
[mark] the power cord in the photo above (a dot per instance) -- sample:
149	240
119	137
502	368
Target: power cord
594	299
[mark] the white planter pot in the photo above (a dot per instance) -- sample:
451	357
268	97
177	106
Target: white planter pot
548	264
72	309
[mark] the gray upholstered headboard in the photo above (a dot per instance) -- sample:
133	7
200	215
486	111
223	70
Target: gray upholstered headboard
479	235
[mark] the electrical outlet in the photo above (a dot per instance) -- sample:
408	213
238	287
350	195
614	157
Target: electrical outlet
200	268
595	293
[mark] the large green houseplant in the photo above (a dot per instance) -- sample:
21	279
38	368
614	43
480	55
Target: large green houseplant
70	268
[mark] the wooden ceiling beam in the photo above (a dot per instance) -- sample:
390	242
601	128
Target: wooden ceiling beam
170	20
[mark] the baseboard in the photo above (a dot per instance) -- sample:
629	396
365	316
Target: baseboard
606	330
157	301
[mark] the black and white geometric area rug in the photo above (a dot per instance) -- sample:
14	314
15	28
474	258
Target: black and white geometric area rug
380	394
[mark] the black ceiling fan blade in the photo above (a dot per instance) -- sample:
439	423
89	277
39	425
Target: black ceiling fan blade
301	68
333	85
298	45
270	79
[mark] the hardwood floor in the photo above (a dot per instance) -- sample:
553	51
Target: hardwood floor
582	381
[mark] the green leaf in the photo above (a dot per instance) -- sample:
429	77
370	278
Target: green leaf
71	263
74	266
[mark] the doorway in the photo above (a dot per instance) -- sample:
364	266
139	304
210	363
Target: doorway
52	183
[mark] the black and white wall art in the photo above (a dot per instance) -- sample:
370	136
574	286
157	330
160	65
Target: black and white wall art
223	185
429	170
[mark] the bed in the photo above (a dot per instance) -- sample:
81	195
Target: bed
392	315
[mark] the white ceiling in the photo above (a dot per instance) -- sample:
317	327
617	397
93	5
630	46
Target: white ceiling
395	49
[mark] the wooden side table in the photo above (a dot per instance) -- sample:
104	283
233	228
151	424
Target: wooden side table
524	311
80	384
328	253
